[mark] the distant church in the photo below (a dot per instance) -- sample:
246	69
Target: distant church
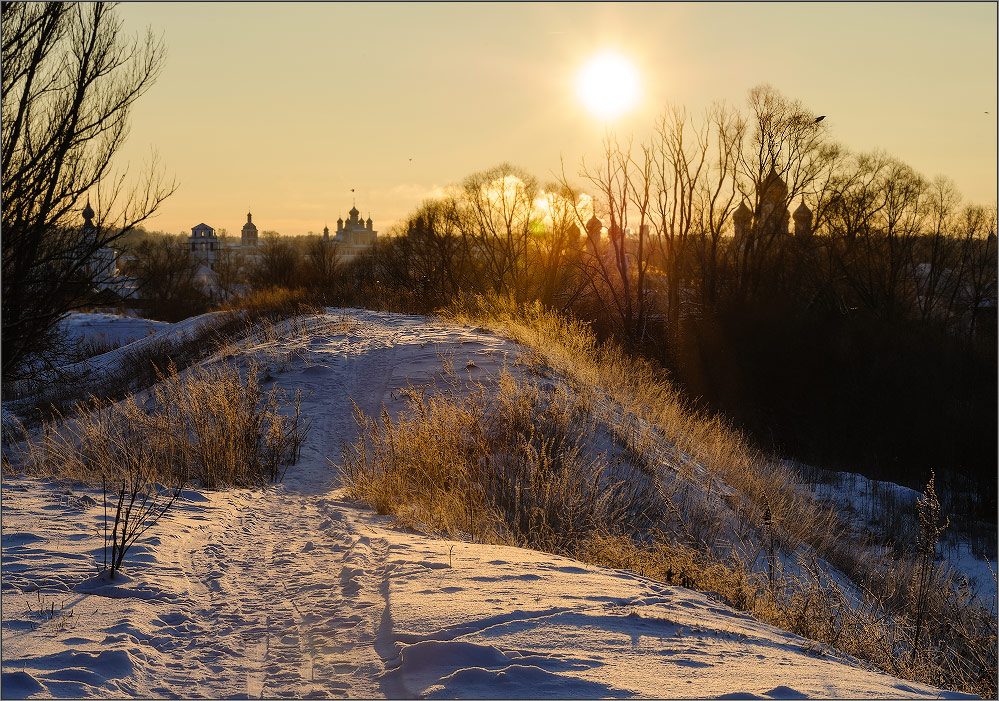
353	232
353	237
205	244
248	238
771	217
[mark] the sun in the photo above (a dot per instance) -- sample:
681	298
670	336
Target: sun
608	85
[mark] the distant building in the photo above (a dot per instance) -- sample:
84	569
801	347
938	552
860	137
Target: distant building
204	243
110	287
353	237
249	233
771	217
355	232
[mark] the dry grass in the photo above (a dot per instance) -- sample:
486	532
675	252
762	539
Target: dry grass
214	426
509	463
602	459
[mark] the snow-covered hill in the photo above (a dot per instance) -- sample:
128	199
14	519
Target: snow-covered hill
296	591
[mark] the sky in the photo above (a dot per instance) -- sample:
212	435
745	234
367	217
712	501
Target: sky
285	108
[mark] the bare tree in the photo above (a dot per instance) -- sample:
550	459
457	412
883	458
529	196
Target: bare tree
718	194
934	260
495	213
165	273
875	214
277	262
681	164
228	268
617	270
439	257
783	160
321	263
557	246
976	286
69	80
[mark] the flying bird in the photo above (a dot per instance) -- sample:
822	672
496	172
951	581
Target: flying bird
819	119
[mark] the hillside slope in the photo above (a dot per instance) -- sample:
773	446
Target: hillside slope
296	591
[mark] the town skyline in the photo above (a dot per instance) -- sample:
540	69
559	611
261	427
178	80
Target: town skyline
282	110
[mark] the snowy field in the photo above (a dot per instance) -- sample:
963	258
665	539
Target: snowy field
294	591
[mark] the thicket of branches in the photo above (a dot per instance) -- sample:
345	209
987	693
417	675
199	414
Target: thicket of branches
70	78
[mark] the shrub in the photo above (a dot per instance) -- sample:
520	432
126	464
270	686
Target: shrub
214	426
508	462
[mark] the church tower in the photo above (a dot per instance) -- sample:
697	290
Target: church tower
772	217
802	222
743	220
249	234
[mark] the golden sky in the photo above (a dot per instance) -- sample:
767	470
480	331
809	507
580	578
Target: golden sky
286	107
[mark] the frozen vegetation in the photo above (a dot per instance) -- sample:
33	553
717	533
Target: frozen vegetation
300	589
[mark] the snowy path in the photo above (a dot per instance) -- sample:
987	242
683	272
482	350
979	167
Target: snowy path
282	596
294	592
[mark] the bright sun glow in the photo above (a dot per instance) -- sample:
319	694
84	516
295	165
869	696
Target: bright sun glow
608	85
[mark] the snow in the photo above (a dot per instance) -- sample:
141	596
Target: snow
296	591
855	494
110	328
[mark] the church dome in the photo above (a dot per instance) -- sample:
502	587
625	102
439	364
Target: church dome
743	213
88	211
773	187
802	211
353	212
593	227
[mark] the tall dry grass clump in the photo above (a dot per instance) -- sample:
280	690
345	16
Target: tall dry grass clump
275	303
213	426
508	463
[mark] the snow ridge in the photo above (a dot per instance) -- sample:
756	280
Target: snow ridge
294	591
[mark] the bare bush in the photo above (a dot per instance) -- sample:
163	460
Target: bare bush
214	426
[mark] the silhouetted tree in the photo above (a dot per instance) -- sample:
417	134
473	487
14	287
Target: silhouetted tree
69	81
165	274
438	256
277	262
320	264
495	212
557	247
228	268
616	267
